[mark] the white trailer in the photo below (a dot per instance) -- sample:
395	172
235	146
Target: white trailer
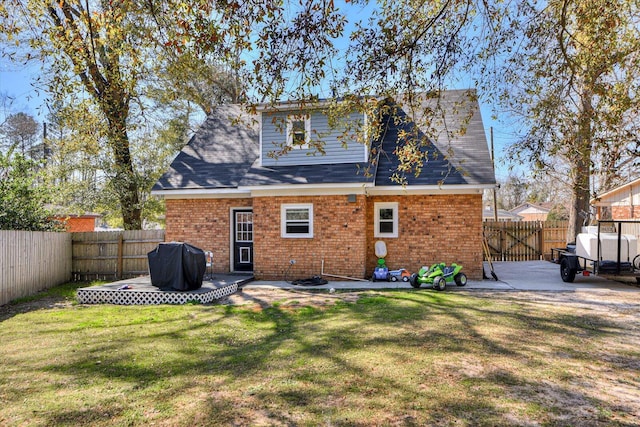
605	249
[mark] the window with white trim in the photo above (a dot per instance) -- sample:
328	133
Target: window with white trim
296	220
298	131
386	219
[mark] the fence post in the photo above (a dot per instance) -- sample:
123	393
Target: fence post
541	239
120	251
502	241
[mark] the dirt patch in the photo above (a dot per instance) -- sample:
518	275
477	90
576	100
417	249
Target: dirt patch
9	310
618	304
614	302
268	297
262	297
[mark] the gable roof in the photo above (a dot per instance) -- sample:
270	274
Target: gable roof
218	155
618	193
488	215
537	207
223	156
457	153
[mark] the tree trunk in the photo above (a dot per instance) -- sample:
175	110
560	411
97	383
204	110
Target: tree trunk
125	182
579	210
579	213
96	60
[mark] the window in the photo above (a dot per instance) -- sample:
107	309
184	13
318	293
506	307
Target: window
386	220
297	220
244	226
298	131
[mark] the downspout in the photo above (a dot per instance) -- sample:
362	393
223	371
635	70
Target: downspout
631	205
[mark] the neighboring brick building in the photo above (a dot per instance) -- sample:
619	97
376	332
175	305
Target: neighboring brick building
623	202
302	213
78	223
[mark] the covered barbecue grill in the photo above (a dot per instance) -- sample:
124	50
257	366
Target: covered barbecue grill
177	266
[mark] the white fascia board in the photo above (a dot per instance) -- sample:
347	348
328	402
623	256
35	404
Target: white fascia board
390	190
296	105
307	190
200	193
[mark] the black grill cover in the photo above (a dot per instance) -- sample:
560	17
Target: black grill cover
176	265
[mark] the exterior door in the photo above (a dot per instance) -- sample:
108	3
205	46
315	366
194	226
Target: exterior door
243	240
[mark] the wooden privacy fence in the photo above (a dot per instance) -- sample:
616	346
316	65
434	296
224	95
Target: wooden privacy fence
113	254
524	240
31	261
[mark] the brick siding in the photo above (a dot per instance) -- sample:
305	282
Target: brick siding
204	223
432	229
625	212
338	239
445	228
74	225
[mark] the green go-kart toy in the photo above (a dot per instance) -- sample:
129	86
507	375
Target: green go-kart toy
438	275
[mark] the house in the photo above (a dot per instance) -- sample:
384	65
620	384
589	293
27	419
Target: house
623	202
74	223
532	211
304	213
503	215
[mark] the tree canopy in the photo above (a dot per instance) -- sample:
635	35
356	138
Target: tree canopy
574	80
104	66
23	201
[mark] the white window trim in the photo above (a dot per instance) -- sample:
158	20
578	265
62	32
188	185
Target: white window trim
283	220
376	225
307	130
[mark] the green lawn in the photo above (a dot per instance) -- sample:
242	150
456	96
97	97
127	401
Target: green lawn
391	358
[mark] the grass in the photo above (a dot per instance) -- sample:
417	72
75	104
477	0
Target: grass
391	358
66	291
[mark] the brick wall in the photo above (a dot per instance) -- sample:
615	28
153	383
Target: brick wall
204	223
79	224
436	228
625	212
338	239
75	224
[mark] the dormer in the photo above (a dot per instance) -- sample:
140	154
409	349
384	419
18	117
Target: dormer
292	134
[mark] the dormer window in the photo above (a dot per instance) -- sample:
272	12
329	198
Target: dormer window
298	131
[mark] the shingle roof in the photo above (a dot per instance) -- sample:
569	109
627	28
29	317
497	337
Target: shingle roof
218	155
224	153
341	173
457	150
527	205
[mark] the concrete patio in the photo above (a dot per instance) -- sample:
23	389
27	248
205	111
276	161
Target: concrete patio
513	276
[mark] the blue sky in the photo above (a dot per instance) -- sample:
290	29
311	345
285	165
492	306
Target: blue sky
15	82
